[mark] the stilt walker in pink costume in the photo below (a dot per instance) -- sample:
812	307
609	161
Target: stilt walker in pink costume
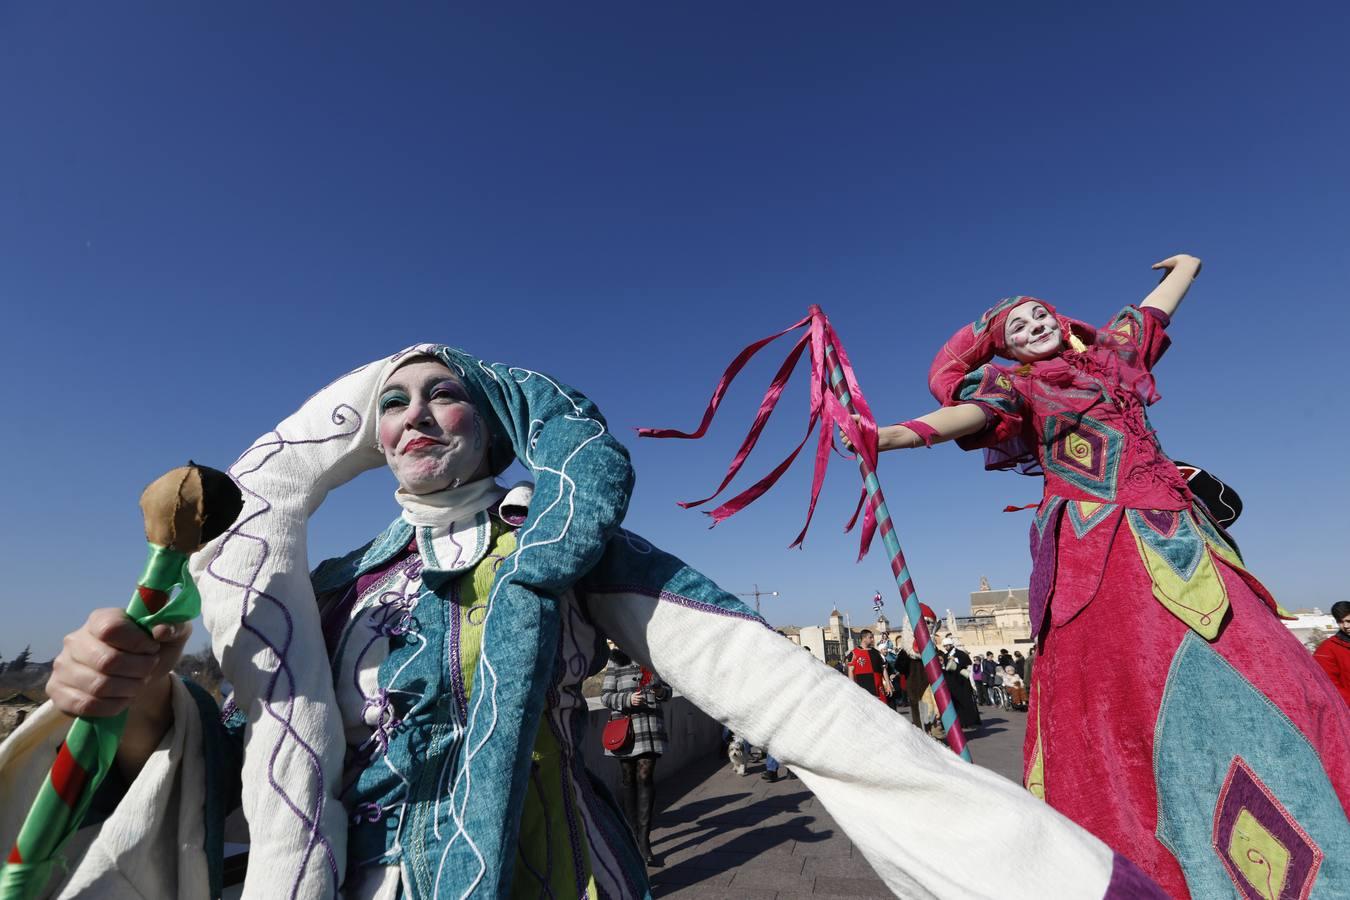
1225	770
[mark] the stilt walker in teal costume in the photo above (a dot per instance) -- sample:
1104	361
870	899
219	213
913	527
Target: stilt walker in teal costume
408	721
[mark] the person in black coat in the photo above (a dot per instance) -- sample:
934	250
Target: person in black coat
956	662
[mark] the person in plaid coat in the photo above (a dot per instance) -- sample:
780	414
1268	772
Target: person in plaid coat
631	690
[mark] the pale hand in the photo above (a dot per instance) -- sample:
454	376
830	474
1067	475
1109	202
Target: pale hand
1182	261
883	442
843	437
636	699
110	663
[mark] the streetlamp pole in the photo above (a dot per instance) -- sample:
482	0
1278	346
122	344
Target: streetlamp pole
757	593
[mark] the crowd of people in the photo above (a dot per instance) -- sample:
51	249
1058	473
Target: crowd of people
895	675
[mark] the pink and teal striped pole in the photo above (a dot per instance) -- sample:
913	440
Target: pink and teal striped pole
955	738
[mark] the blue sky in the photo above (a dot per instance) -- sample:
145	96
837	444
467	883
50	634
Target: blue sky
210	210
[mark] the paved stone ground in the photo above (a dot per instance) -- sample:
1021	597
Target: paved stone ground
741	838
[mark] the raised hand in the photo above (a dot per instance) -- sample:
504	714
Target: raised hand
1180	262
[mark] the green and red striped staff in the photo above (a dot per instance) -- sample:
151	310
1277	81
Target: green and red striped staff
184	509
836	399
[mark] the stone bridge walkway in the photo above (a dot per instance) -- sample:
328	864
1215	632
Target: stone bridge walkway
722	835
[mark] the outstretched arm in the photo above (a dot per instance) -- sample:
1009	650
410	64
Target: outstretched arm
765	689
1181	271
948	424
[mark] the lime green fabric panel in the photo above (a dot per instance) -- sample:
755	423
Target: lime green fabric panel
1185	579
545	855
471	597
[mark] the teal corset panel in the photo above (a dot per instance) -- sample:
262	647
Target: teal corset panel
419	662
1243	800
332	574
415	792
411	744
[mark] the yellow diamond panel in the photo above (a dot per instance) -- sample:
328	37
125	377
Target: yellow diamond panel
1077	448
1259	856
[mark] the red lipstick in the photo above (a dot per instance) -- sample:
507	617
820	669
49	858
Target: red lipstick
417	443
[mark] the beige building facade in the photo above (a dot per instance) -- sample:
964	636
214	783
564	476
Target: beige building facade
998	620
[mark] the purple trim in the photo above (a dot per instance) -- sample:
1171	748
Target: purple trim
1163	521
575	838
456	658
459	548
272	445
577	784
1129	883
1163	318
330	384
513	514
580	779
393	618
1044	548
678	600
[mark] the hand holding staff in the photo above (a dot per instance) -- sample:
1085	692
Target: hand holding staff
183	509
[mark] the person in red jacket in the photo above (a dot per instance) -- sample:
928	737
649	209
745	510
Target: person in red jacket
1333	654
866	669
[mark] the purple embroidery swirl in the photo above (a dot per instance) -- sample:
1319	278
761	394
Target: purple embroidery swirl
386	721
270	446
393	615
368	812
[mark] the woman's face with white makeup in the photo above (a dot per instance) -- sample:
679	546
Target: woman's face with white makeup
431	435
1032	333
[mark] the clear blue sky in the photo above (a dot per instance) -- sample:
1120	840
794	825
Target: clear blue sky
207	211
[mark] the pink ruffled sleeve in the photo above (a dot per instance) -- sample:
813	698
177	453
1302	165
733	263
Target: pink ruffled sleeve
1139	335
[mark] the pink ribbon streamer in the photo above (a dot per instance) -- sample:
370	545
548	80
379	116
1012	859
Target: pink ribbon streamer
824	409
766	408
727	377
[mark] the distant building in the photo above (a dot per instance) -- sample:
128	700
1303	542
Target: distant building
1311	627
998	620
831	643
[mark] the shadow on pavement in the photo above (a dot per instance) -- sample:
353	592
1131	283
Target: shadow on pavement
750	832
989	725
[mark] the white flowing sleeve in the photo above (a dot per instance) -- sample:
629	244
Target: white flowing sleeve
152	846
914	808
